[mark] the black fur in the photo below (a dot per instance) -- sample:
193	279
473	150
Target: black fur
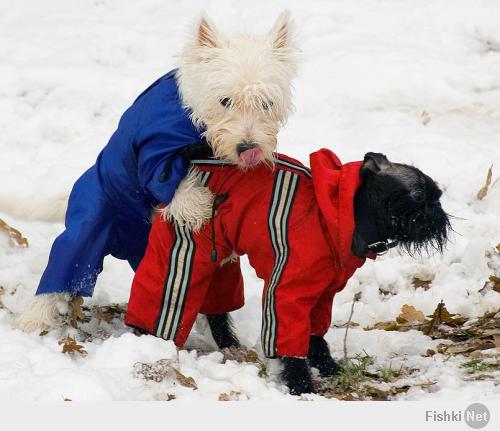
222	329
396	202
297	375
320	357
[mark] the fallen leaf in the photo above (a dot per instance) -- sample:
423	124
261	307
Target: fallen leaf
70	346
484	190
16	237
188	382
386	326
232	396
418	283
495	283
440	315
410	314
239	354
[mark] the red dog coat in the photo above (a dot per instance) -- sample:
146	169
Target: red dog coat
296	227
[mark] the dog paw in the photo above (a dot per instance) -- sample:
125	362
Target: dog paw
43	312
327	367
191	205
297	376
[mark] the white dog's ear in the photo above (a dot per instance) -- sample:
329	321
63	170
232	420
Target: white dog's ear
207	33
282	30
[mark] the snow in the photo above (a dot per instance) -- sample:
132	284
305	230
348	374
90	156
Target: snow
368	72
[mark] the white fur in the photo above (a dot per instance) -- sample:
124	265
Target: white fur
191	205
255	74
252	72
43	312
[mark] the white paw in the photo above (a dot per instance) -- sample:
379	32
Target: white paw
192	203
43	312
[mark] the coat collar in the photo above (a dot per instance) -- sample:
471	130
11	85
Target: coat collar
335	185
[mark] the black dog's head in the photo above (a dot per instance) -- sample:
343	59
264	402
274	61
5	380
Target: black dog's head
398	203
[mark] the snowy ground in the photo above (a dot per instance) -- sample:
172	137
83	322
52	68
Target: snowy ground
369	71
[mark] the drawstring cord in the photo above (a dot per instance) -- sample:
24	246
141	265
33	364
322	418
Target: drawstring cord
217	201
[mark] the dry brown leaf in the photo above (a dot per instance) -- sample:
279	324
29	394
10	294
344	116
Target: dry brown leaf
70	346
410	314
239	354
16	237
76	306
440	315
188	382
484	190
495	283
232	396
385	326
418	283
76	312
109	312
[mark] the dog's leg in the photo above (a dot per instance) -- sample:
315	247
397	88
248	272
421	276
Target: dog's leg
297	375
192	203
43	312
222	329
319	357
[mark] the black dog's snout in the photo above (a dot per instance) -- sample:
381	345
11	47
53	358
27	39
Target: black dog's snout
245	146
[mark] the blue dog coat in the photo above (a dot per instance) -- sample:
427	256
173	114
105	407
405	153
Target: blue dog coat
111	203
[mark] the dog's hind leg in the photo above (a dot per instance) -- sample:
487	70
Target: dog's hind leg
222	329
297	375
319	357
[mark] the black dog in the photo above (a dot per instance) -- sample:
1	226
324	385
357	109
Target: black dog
397	205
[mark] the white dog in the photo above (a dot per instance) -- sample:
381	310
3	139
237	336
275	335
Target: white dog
238	90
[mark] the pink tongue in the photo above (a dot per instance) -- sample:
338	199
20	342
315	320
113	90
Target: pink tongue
251	157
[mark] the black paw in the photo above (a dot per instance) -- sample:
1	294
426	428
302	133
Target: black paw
221	326
297	376
319	357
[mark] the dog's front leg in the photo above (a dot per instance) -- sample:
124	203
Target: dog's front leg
320	357
43	312
297	375
192	203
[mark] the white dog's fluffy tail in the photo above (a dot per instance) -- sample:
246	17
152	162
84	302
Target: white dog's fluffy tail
43	312
50	209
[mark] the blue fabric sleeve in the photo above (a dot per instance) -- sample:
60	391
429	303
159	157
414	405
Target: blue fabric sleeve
164	128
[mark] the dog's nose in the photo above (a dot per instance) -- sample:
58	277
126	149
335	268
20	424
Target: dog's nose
244	146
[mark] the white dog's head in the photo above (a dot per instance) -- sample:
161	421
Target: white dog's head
238	89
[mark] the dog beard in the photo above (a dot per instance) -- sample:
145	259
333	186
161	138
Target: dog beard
418	227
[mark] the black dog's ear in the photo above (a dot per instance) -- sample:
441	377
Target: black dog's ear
374	163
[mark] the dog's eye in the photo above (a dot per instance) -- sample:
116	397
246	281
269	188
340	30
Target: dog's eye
225	101
267	105
418	196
